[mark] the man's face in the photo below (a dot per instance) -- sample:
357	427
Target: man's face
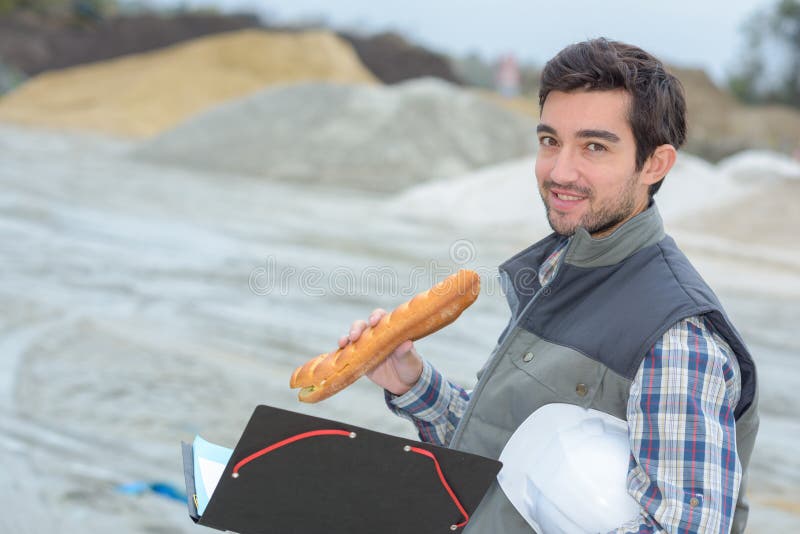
586	166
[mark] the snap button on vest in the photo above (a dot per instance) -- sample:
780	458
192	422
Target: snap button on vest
528	357
581	390
545	291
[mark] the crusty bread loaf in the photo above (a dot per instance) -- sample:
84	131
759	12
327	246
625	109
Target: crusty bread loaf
424	314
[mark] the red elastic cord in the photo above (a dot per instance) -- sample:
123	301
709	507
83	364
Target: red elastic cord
315	433
287	441
452	494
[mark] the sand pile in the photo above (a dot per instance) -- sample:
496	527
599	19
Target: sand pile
768	217
768	214
502	195
369	137
756	165
145	94
506	195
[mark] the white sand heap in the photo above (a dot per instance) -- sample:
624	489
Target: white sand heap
753	165
694	186
144	94
369	137
506	195
501	195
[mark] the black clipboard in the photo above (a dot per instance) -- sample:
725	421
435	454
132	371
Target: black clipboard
292	473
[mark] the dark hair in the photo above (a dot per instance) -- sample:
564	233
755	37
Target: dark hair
657	113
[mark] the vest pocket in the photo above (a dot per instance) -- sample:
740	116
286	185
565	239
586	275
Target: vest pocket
573	377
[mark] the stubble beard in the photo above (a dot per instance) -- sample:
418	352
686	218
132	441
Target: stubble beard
595	220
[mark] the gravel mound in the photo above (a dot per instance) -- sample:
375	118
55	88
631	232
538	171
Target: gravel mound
381	138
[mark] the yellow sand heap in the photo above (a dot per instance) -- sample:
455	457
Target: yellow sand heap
144	94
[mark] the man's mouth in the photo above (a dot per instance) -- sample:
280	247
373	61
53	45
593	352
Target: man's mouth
563	196
566	200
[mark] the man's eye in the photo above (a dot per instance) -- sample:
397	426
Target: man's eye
595	147
547	141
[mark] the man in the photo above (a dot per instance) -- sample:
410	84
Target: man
615	320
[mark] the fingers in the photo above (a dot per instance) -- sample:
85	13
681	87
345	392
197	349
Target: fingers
355	332
358	327
376	315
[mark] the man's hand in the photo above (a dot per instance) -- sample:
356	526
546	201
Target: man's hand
401	370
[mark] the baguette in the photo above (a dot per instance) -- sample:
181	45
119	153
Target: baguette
427	312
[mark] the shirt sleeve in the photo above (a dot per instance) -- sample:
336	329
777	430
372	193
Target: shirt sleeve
684	470
434	405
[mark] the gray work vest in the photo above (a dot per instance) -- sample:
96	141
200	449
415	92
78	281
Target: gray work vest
581	338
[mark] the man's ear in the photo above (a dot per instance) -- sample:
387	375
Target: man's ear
657	166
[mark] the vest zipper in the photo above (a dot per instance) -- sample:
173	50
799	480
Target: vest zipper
498	355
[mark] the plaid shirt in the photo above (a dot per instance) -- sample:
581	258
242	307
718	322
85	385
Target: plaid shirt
684	470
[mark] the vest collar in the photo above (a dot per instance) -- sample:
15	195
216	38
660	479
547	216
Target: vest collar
519	274
641	231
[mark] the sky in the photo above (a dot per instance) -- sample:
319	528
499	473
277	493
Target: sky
691	33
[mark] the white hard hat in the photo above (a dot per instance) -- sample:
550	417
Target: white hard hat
565	470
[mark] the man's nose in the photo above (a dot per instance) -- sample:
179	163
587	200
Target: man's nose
565	169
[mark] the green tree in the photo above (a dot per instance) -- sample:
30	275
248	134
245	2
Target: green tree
42	6
769	69
76	7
